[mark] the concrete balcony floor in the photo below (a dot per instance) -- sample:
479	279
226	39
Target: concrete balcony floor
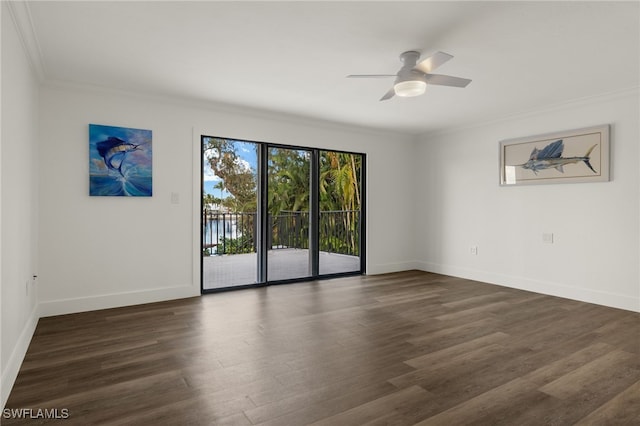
241	269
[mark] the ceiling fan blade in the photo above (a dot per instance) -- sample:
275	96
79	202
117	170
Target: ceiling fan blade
432	62
370	75
446	80
388	95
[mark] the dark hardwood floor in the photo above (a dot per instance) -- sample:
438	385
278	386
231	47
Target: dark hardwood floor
397	349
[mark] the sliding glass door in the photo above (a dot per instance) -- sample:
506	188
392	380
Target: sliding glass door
274	213
229	206
340	212
288	189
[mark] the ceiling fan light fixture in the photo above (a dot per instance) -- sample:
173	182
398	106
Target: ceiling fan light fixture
410	88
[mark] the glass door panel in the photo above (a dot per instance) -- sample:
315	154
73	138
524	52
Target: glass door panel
340	212
229	205
288	206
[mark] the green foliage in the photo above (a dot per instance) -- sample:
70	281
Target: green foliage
288	180
333	244
208	199
242	244
339	181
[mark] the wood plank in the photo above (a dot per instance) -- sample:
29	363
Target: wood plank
554	370
614	366
431	360
488	405
399	408
623	409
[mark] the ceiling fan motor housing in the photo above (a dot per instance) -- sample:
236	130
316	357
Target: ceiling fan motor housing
410	58
407	72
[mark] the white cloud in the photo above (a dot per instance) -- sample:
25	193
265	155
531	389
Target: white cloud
209	176
243	163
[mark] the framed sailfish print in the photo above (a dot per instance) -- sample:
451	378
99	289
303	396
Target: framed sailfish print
580	155
120	161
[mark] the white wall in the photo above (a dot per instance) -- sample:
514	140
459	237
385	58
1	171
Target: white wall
596	226
18	222
98	252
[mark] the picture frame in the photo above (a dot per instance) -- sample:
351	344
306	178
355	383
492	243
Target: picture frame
570	156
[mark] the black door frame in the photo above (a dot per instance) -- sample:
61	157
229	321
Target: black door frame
262	230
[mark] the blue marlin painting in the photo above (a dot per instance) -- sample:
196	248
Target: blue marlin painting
550	157
114	150
119	161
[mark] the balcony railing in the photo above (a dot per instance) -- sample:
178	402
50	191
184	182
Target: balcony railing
234	233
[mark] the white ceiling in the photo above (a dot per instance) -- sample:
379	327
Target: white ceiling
292	57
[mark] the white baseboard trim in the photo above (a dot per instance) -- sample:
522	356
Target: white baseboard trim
10	372
106	301
613	300
385	268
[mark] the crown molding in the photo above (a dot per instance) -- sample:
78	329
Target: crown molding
633	91
224	108
21	16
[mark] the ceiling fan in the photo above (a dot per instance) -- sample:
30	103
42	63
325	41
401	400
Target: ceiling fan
413	77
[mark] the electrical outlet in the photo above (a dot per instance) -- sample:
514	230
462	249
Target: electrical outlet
473	250
547	238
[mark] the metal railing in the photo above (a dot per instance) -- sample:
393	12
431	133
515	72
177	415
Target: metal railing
234	233
228	233
340	232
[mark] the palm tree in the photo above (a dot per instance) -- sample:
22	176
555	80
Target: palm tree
340	190
208	200
220	186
